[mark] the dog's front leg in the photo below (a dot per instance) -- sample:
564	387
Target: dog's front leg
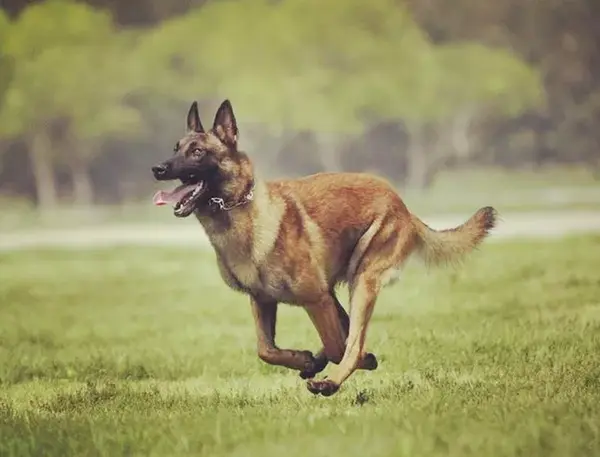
265	318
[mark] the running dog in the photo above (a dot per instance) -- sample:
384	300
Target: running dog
293	241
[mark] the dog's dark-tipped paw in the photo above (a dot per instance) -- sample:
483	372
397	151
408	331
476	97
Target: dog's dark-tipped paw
313	366
370	362
325	387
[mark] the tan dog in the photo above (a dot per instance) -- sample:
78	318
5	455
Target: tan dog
293	241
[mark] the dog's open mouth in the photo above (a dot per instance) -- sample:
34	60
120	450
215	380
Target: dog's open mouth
183	198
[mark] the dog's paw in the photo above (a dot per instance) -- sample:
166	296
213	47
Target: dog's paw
313	366
325	387
369	362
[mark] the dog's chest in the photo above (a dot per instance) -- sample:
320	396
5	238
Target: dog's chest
243	256
256	280
243	272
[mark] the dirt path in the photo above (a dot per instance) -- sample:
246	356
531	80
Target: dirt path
516	225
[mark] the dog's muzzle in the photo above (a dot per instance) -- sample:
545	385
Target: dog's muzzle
161	171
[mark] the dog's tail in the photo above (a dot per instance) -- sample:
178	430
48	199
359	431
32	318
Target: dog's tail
438	247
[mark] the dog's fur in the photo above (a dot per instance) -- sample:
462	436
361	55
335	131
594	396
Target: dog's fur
295	240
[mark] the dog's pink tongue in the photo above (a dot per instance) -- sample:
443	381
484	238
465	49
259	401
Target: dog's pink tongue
164	197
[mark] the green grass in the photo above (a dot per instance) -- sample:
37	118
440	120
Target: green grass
144	352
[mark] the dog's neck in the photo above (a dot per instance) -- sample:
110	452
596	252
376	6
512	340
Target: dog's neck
233	234
230	202
237	185
235	200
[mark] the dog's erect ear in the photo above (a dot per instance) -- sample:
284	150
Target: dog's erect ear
225	125
193	119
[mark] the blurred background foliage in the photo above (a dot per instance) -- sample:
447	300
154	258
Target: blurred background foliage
92	93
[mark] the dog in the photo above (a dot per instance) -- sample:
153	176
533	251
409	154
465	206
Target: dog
293	241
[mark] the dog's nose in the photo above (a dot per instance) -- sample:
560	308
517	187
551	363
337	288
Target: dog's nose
160	170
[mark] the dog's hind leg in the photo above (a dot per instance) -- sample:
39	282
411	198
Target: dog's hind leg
368	362
385	253
265	318
326	319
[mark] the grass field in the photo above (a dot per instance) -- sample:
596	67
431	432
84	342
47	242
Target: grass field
144	352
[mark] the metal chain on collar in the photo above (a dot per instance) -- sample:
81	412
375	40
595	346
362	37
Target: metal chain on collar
223	207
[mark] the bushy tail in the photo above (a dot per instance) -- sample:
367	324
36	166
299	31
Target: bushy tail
450	246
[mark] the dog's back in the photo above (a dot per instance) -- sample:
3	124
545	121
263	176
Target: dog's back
346	206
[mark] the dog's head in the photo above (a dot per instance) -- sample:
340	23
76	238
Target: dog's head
207	163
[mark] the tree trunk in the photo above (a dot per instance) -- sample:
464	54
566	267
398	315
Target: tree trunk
40	150
419	166
460	133
329	149
83	190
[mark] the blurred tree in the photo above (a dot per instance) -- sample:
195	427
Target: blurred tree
381	65
574	132
381	149
296	72
6	67
472	79
329	67
168	61
5	61
560	38
98	109
71	75
130	12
